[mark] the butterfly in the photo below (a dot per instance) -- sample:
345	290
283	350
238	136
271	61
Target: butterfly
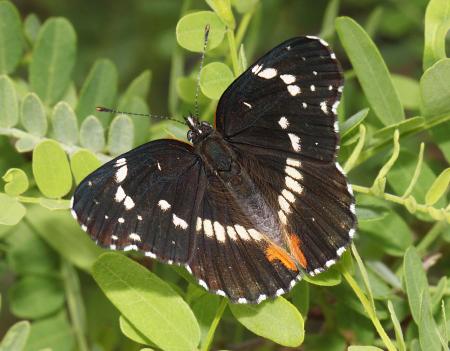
248	206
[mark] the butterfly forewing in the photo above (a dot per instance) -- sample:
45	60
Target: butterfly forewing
144	200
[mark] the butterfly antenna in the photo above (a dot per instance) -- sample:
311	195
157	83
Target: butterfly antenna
107	109
197	88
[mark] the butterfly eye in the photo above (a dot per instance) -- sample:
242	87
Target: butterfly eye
191	135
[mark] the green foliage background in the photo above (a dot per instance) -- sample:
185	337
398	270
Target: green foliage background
59	59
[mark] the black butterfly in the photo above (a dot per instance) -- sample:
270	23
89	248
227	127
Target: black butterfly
252	204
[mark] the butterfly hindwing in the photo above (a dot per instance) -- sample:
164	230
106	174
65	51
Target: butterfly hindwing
145	200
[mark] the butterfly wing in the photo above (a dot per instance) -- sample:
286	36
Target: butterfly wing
283	111
144	200
233	258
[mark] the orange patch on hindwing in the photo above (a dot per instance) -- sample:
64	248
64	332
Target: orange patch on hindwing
295	245
274	252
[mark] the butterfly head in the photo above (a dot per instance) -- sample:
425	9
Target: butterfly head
198	130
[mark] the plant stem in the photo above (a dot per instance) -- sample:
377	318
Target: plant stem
214	324
75	304
410	203
243	27
233	51
370	311
431	236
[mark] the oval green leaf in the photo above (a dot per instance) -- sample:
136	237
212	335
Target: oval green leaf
190	30
371	71
99	89
16	181
31	27
16	337
26	143
438	188
64	124
120	135
11	39
353	122
51	169
415	281
83	162
53	60
330	277
277	320
92	134
11	210
33	116
214	79
408	91
25	293
223	9
139	87
9	107
132	333
434	89
157	311
437	24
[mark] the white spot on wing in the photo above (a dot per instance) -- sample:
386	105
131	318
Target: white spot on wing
150	254
349	188
295	141
333	56
121	161
208	228
261	298
288	195
329	263
159	166
268	73
120	220
335	107
256	69
340	251
242	300
130	248
324	107
351	233
179	222
198	226
282	217
255	234
292	172
279	292
121	174
284	204
293	162
283	122
338	166
352	208
128	203
135	237
304	104
139	217
293	185
231	233
312	87
202	283
242	232
164	205
336	126
120	194
221	292
83	227
288	78
247	104
74	214
293	90
220	231
315	73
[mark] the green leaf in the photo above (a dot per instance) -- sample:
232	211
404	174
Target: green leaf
120	135
439	188
437	24
244	6
353	122
132	333
301	297
51	169
16	181
428	332
277	320
330	277
157	311
11	210
205	308
99	89
11	39
186	87
223	9
64	124
329	17
403	127
63	234
215	77
435	89
92	135
141	123
139	87
415	281
26	292
53	60
408	91
53	333
364	348
83	162
371	71
190	31
397	328
9	107
368	214
33	116
54	204
16	336
31	27
25	144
